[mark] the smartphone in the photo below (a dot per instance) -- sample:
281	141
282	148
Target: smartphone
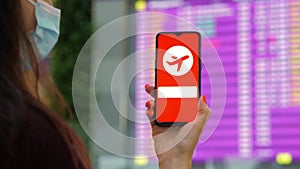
177	77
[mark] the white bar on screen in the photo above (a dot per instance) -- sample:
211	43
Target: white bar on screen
177	92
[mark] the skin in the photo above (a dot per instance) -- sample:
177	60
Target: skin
29	14
180	155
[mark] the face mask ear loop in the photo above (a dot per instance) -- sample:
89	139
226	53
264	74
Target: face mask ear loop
32	2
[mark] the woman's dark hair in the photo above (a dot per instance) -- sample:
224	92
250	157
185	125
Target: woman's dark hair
19	88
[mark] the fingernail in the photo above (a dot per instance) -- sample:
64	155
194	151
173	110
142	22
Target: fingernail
148	104
204	99
147	85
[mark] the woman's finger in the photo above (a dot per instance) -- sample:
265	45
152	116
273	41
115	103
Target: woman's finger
203	109
202	117
150	113
149	104
202	105
150	90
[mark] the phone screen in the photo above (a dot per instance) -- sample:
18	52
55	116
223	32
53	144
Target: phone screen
177	77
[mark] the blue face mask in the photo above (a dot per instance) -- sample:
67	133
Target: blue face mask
46	33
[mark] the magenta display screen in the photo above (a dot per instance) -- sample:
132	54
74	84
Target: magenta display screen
258	43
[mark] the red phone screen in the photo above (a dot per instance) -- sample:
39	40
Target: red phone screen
177	77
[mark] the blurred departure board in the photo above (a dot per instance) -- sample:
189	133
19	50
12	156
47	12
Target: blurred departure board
258	43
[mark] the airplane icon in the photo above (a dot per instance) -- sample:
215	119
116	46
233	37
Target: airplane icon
178	61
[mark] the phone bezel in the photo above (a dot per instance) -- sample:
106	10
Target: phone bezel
167	124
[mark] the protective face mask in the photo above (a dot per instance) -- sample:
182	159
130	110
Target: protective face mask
46	33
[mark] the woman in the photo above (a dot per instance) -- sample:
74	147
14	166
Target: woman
32	135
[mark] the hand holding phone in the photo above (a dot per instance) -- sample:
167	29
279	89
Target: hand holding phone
175	145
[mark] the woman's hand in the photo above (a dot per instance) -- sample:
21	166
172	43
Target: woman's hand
175	145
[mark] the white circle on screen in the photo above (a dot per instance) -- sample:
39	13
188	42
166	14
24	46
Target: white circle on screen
178	60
